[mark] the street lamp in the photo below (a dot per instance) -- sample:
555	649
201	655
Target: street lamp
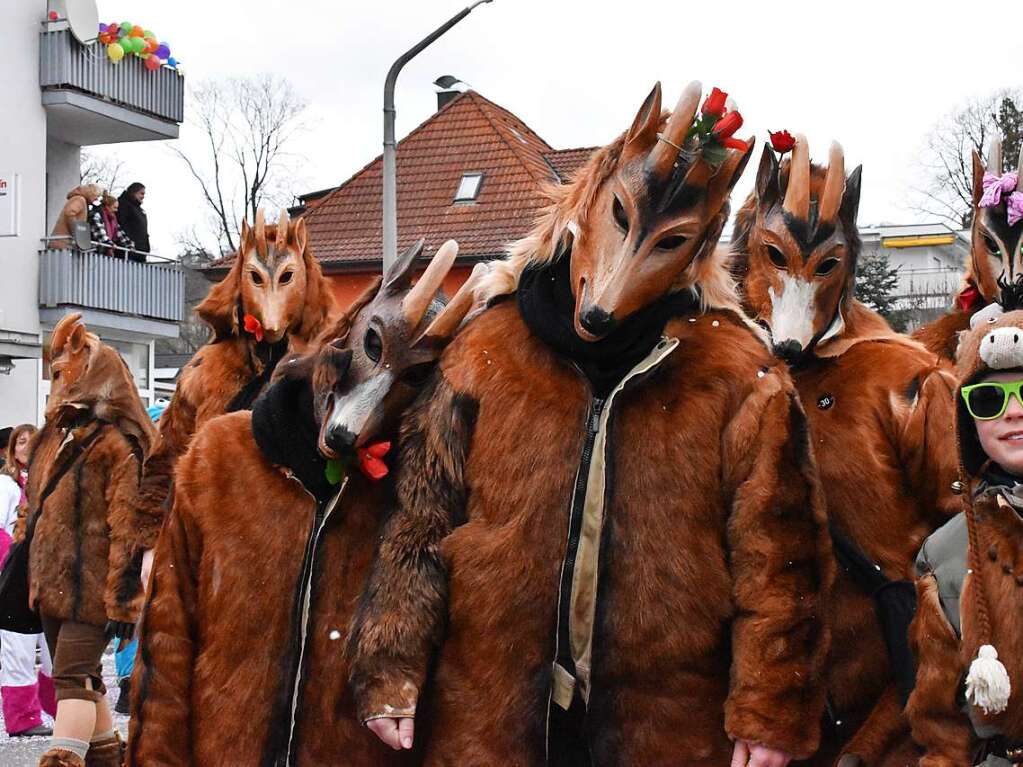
390	146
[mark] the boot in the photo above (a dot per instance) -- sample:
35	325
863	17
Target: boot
106	753
59	757
123	705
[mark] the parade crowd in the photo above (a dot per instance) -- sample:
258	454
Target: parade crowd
628	497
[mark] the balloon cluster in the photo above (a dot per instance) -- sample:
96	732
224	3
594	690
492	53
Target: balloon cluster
126	38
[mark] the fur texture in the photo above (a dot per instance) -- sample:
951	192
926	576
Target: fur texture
715	522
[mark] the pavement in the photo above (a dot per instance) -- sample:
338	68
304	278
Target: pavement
25	752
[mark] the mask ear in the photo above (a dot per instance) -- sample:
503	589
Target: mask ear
851	198
219	309
76	341
643	131
978	178
767	179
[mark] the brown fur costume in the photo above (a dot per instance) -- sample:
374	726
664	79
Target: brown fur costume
230	370
880	414
712	558
989	605
86	554
75	209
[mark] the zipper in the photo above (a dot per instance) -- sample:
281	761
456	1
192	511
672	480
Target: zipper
320	519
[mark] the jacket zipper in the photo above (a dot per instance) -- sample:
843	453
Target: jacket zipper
320	518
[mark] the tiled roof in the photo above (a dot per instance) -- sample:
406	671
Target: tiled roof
469	134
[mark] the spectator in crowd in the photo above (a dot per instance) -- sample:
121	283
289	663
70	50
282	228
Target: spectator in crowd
75	209
107	233
5	437
132	218
24	694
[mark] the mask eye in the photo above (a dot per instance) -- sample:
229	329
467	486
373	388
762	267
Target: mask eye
257	278
777	257
670	243
373	346
826	267
619	215
416	375
285	278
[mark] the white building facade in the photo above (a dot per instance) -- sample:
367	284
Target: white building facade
58	96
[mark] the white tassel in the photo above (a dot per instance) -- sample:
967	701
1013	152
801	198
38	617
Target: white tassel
987	684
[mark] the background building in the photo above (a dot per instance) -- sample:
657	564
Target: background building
59	96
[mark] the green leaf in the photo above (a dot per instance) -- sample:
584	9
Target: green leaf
714	153
335	471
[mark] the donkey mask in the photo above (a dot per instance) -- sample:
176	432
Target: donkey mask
799	248
380	354
275	279
996	253
659	208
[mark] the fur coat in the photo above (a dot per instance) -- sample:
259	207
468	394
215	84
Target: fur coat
222	647
707	623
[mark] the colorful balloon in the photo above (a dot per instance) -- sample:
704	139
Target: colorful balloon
172	62
137	31
115	52
148	33
126	25
152	63
162	51
103	27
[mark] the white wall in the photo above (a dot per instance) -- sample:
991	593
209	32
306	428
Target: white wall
63	173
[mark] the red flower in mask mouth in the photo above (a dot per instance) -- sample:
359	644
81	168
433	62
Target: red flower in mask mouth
371	460
253	326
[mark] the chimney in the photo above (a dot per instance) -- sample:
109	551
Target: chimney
449	89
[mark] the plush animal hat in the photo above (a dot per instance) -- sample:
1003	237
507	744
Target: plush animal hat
994	343
95	383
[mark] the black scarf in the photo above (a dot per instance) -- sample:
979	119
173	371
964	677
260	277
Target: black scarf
286	431
548	309
994	480
269	355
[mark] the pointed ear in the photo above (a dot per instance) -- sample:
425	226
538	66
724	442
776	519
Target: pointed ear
768	190
61	331
399	276
978	178
644	126
851	198
722	182
219	309
76	340
301	235
244	231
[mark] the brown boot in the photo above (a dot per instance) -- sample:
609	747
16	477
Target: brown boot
60	757
106	753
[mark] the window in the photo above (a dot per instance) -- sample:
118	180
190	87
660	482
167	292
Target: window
469	187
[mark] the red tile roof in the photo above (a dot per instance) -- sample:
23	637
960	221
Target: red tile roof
469	134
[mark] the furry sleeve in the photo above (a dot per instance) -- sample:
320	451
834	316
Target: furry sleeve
924	421
124	593
401	614
162	684
938	723
154	497
782	572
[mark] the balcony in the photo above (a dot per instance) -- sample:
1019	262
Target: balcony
140	299
90	100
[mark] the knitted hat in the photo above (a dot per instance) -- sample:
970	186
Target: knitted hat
994	343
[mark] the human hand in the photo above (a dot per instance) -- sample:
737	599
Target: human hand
147	569
755	755
396	733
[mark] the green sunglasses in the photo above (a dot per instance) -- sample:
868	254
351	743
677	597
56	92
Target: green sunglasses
988	400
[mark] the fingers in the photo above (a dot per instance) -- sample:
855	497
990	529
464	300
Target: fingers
762	756
406	729
387	730
740	754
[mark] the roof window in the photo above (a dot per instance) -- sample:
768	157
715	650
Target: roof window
469	187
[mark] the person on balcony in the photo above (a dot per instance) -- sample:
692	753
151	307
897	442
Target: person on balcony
106	232
75	209
133	219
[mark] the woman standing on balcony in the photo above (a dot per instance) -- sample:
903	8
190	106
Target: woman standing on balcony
132	218
107	233
24	694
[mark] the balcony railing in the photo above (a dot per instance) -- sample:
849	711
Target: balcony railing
64	63
94	281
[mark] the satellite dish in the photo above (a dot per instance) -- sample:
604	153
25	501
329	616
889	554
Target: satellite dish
83	18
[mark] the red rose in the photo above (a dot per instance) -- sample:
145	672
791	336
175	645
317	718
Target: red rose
253	326
969	298
781	141
735	143
715	103
727	125
370	460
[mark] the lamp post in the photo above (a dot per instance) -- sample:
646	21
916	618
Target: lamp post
390	146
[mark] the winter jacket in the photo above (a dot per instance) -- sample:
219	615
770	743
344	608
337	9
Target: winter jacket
101	222
75	209
10	499
133	221
658	553
255	579
86	554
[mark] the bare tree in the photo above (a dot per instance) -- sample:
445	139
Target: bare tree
248	126
946	160
99	167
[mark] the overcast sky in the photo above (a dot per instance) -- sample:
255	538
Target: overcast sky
873	75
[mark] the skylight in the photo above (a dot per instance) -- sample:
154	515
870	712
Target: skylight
469	187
